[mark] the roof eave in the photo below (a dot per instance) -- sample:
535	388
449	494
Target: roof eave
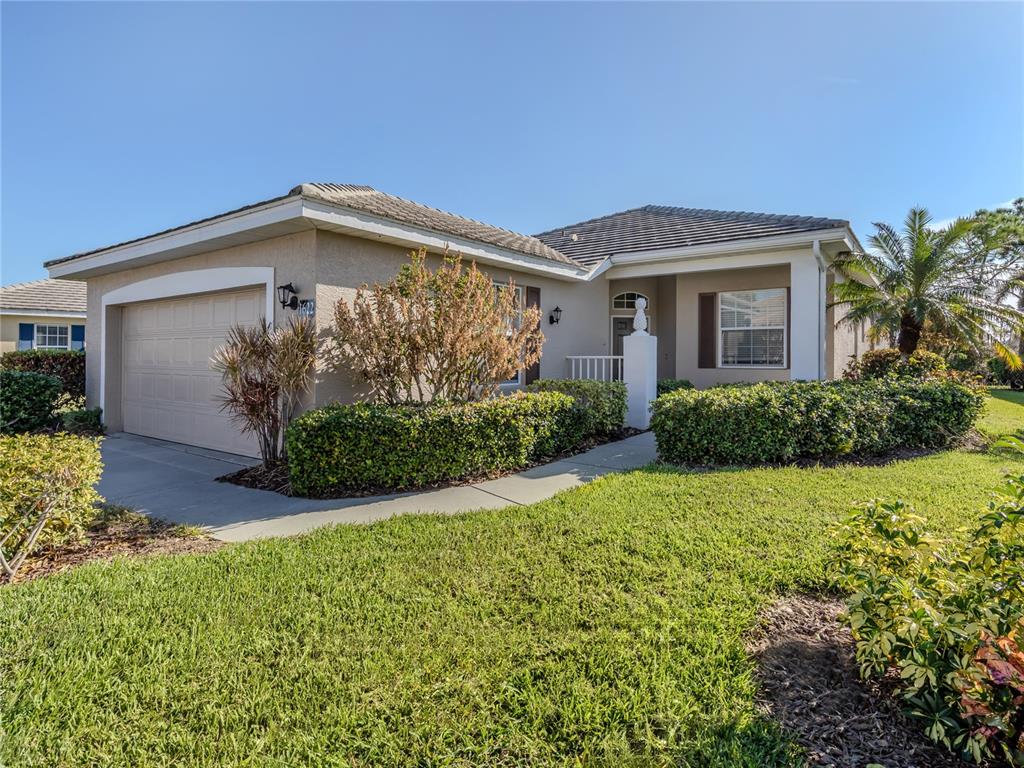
288	215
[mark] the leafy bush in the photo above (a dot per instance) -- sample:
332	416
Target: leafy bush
83	421
780	421
671	385
1001	373
27	400
880	363
602	404
448	334
66	365
366	446
47	491
947	619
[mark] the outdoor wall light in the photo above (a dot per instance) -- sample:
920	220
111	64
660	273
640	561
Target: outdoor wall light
286	294
555	316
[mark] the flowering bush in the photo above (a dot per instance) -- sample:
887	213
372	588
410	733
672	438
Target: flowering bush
946	619
879	363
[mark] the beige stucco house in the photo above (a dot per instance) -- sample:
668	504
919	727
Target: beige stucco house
42	314
731	296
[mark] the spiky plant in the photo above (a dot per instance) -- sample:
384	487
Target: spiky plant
922	278
264	371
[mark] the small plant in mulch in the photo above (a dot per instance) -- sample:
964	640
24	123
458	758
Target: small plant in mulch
943	620
115	532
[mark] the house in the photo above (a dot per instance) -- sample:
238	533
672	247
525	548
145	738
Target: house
731	296
42	314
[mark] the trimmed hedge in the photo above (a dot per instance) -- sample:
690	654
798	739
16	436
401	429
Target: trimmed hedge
781	421
602	403
66	365
369	446
30	464
671	385
27	400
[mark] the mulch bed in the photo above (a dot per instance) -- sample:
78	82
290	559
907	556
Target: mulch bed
275	477
810	685
117	532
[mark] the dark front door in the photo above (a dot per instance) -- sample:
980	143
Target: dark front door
621	326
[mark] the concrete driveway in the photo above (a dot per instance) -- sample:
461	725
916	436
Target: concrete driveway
176	483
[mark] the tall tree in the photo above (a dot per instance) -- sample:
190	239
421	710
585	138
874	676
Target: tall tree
923	277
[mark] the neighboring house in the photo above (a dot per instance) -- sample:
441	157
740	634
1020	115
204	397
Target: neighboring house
42	314
731	296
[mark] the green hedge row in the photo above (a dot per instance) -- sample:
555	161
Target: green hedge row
780	421
66	365
369	446
32	464
601	404
27	400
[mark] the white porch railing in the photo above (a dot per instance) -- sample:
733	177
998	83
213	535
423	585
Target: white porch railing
595	367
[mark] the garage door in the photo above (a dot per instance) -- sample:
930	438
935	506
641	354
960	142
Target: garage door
168	390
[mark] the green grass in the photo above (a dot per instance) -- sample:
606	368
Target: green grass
605	626
1002	413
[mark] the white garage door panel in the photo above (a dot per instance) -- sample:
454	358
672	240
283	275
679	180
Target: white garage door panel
168	389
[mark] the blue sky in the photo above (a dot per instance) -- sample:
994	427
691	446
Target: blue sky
122	119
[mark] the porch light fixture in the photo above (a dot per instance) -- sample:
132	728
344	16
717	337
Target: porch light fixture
286	294
555	316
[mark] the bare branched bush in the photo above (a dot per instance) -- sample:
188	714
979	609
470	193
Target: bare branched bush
264	372
449	334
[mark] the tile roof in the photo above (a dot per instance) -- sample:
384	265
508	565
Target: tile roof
369	200
372	201
661	226
49	295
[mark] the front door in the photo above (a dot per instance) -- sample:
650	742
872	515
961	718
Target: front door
621	326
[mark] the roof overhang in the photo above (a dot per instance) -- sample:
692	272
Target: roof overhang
13	311
286	216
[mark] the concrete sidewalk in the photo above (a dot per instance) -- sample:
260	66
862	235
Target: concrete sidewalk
176	483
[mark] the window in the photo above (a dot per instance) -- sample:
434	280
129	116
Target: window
752	328
628	300
516	321
51	337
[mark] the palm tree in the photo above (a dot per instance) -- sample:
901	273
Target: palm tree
925	278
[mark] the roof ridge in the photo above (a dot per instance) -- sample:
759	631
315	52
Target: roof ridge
364	188
758	214
40	280
590	221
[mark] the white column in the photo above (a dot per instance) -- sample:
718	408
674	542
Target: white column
640	373
806	318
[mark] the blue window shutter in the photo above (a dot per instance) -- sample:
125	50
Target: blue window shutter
78	337
26	335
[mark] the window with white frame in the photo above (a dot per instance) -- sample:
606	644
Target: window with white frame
516	321
51	336
627	300
752	328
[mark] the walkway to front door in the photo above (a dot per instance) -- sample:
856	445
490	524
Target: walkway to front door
175	482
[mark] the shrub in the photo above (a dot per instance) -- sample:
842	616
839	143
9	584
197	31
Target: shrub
66	365
780	421
27	400
1001	373
83	421
602	404
671	385
946	620
449	334
47	492
264	370
367	446
880	363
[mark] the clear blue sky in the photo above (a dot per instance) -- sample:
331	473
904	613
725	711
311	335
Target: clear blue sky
123	119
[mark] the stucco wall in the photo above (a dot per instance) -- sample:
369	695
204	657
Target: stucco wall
688	288
9	327
343	263
292	258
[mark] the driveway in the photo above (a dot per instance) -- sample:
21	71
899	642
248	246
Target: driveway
177	483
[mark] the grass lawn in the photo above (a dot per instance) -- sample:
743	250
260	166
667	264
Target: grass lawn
604	626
